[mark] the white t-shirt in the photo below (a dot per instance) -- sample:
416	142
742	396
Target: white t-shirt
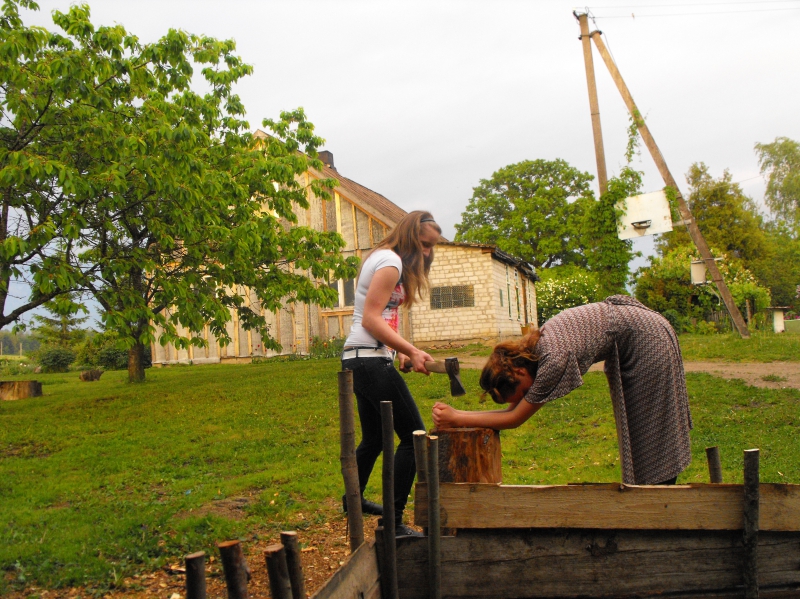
359	336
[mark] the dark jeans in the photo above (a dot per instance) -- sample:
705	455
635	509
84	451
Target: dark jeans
376	380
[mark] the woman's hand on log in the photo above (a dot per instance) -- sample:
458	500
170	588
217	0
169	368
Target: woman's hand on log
444	416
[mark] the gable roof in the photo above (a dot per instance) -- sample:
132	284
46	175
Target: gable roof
370	201
358	194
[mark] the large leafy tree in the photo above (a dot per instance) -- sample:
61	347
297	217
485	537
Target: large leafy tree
533	210
727	217
780	161
149	194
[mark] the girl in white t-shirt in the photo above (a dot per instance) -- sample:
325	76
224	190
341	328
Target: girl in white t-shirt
394	273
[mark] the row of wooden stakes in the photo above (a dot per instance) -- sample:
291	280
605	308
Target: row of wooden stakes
283	567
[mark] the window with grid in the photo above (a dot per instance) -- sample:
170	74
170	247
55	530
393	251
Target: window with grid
458	296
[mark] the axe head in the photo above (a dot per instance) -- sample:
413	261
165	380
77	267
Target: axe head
454	373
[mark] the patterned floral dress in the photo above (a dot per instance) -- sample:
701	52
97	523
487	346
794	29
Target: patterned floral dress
645	374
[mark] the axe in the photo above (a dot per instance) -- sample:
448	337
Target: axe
451	368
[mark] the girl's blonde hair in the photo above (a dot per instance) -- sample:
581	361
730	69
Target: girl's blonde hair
498	378
404	241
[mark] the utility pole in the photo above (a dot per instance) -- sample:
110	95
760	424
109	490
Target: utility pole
658	158
594	106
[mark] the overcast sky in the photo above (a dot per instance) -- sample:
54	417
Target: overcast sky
420	100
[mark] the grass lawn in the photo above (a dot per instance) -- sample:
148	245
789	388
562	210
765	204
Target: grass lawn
761	347
99	480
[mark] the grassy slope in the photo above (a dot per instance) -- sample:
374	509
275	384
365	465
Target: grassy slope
101	479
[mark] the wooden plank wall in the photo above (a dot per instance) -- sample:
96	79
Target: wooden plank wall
572	563
357	579
610	506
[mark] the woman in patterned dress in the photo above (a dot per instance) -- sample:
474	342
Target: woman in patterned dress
394	273
644	370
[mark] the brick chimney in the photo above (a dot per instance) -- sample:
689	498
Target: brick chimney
327	158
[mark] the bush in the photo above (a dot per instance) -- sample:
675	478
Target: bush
704	327
56	359
326	348
675	319
15	367
566	287
111	358
101	351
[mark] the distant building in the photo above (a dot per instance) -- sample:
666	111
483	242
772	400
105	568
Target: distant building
477	291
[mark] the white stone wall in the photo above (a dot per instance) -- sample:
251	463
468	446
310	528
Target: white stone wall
488	319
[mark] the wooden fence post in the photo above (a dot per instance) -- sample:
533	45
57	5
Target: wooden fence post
235	569
196	575
751	513
295	564
714	464
280	586
421	454
434	521
347	438
380	550
390	548
421	459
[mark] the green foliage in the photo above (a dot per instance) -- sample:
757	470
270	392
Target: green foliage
60	329
326	348
136	472
154	196
533	210
728	219
666	285
781	160
566	287
10	343
607	254
55	359
106	351
779	267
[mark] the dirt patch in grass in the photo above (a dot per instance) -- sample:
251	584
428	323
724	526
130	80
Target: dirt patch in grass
231	508
26	449
324	549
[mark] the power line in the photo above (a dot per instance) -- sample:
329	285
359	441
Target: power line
692	14
688	5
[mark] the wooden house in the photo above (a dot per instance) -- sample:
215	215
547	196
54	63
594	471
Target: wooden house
477	291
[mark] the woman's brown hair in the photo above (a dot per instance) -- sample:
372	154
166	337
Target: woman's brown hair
404	241
498	378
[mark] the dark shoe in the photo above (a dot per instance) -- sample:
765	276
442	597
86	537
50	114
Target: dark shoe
367	506
401	530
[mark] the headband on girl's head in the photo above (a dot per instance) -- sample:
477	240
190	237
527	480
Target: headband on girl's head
427	220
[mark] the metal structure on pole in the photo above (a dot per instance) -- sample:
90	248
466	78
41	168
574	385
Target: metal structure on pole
658	158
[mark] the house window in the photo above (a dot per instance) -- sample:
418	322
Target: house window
501	297
350	292
346	289
458	296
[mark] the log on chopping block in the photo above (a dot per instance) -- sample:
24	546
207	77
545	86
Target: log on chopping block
469	455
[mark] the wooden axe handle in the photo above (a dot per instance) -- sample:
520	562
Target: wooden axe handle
438	367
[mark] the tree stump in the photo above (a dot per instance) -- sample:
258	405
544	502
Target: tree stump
91	375
469	455
19	389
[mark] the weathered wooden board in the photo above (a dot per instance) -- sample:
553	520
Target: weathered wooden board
20	389
512	564
357	579
609	506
